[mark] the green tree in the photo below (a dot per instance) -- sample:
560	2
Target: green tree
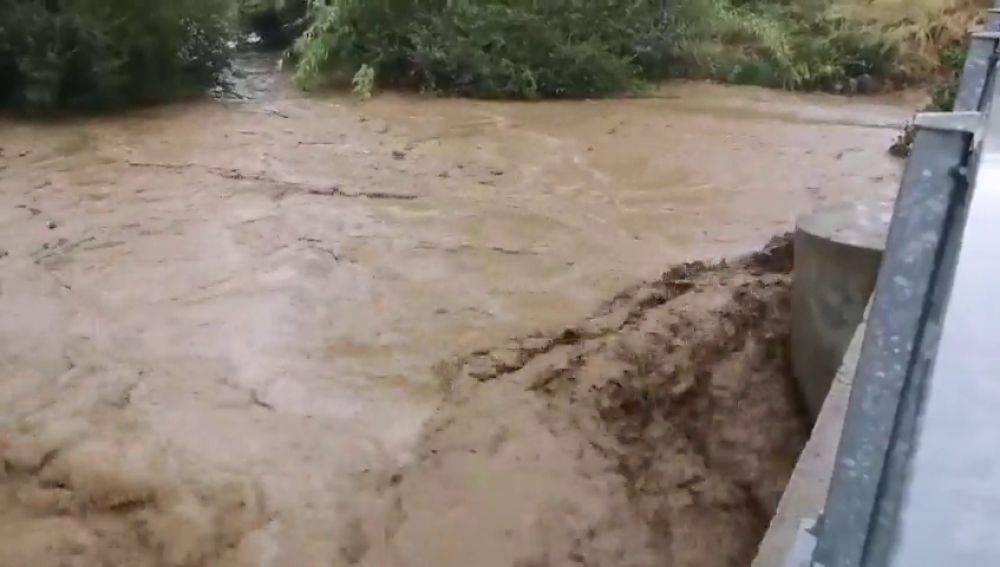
97	54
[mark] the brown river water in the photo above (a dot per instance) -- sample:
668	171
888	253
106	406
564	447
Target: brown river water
234	332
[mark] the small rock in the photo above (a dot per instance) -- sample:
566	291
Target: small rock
52	224
444	175
398	154
3	253
497	172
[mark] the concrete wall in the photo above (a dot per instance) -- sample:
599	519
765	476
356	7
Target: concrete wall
806	491
838	251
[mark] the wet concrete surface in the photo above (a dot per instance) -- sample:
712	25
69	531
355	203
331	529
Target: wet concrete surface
246	304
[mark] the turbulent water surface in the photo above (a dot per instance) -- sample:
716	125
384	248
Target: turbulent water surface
227	323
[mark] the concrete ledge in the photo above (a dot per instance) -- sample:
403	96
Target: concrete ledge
806	491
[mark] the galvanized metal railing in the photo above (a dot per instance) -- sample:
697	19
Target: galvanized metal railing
917	475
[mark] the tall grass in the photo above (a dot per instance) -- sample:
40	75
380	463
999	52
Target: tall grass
925	36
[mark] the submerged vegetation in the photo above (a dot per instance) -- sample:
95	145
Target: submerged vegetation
95	54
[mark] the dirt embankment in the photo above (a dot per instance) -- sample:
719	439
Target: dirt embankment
660	432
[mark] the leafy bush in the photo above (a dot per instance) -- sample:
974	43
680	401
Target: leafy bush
526	48
92	54
498	51
795	45
96	54
488	49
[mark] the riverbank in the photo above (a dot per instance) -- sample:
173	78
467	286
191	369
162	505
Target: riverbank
108	58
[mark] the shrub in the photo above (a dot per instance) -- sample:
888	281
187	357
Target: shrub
97	54
488	49
93	54
920	35
526	48
795	45
821	44
497	51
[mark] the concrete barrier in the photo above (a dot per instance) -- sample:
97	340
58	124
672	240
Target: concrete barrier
806	492
838	251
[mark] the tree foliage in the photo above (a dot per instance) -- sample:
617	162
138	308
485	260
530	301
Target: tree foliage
536	48
497	48
96	54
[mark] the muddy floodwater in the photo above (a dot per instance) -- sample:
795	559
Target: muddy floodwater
273	331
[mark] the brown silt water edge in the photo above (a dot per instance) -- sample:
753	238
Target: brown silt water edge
277	330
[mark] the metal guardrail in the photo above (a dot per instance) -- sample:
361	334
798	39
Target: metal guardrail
917	474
